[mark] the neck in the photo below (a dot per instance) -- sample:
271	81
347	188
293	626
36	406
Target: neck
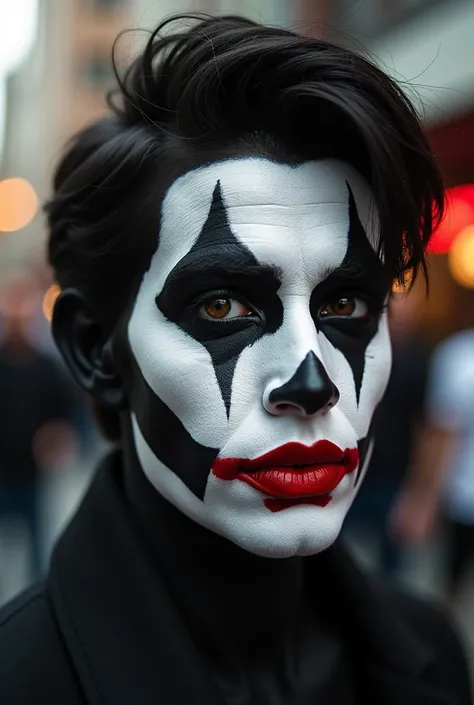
230	598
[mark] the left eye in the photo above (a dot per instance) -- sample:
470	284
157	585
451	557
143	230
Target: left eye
219	308
345	306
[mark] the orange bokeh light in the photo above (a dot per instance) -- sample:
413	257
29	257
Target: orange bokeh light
49	300
461	258
18	204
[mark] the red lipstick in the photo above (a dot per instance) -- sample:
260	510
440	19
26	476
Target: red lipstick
292	472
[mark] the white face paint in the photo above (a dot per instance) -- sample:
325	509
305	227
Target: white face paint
233	361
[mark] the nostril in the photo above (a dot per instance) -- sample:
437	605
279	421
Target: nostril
283	407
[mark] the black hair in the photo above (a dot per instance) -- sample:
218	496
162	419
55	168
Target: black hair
226	86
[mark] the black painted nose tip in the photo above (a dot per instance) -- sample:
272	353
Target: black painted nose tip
309	390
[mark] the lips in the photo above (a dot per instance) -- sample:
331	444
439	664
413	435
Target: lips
292	472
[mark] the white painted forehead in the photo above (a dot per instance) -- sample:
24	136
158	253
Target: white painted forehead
262	197
257	182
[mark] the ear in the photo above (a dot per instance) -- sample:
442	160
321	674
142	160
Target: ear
85	350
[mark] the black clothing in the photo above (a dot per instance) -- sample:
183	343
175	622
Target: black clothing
33	392
461	552
106	630
258	623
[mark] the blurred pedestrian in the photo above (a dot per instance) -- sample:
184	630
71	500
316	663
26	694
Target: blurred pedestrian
443	479
37	407
400	417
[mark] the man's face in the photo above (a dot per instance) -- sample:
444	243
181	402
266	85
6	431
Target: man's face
260	350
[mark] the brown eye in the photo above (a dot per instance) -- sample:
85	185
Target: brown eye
220	308
348	306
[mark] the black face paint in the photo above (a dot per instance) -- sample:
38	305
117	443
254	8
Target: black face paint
161	428
310	388
218	264
360	271
363	444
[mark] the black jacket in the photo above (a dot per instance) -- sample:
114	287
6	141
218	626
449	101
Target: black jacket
103	630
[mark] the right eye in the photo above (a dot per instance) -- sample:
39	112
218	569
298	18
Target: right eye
223	308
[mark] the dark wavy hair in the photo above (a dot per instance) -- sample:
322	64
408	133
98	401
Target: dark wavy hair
222	87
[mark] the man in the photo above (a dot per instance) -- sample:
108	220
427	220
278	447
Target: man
225	243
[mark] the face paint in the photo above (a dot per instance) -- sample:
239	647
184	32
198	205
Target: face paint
260	350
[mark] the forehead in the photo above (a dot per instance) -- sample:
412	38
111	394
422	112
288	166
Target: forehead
288	216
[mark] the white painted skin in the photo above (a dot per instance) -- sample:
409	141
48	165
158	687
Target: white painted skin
295	218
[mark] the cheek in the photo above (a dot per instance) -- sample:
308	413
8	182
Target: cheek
180	373
376	371
378	363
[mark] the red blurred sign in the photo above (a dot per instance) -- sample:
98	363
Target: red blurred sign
459	215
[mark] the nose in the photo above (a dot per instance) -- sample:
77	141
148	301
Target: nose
309	391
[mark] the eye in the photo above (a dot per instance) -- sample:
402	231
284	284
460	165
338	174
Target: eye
220	308
345	307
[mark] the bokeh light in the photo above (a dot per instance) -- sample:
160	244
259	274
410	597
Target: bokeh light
18	204
49	300
461	258
459	215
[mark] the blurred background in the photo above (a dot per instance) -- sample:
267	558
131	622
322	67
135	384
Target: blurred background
414	518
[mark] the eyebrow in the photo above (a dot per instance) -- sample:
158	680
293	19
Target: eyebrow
197	272
354	269
214	266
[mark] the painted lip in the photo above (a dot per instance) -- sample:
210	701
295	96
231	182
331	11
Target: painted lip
292	471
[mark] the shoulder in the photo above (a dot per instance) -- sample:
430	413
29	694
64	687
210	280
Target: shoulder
33	664
434	626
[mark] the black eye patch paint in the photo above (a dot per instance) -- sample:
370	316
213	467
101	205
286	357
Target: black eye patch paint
218	260
361	269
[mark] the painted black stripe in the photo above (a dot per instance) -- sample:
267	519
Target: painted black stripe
362	269
217	248
169	439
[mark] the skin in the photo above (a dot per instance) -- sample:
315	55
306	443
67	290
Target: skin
260	322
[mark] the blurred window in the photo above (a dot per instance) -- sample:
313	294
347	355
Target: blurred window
108	4
374	17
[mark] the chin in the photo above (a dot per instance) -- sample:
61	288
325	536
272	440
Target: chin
297	531
237	512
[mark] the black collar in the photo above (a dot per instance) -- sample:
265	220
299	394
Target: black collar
129	645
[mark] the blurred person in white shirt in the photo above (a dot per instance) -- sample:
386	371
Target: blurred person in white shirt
442	481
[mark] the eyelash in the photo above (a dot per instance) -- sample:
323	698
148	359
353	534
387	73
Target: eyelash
375	307
193	308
